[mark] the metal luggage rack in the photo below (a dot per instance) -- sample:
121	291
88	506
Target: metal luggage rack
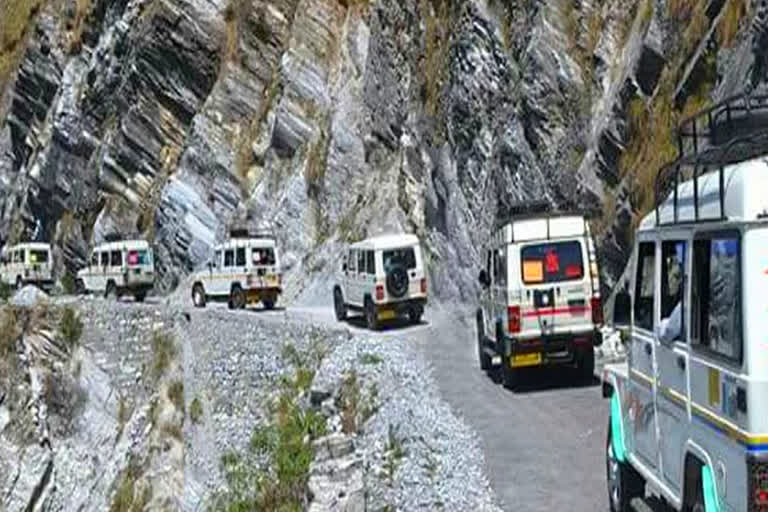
732	131
534	209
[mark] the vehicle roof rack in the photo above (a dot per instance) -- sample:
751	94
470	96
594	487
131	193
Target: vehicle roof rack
539	208
248	233
731	131
114	237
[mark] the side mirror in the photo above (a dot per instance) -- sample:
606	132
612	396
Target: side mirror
622	308
484	279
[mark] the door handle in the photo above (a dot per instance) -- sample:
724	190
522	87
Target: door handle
648	349
681	362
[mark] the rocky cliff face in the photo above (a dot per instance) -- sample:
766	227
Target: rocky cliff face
335	119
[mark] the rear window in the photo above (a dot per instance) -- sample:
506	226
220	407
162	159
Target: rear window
552	262
403	257
38	257
263	256
138	258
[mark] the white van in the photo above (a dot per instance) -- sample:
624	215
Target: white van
689	409
118	268
27	263
384	278
540	300
244	270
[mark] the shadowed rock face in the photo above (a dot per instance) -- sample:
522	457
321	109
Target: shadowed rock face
174	119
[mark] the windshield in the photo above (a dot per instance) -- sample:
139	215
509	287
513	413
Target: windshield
139	258
552	262
263	256
38	257
403	257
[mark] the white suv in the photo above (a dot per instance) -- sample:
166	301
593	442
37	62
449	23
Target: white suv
27	263
540	302
382	277
118	268
244	270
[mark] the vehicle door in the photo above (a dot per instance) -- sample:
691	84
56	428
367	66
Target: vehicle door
362	278
241	266
642	382
350	281
369	279
498	290
101	276
90	271
227	277
672	402
116	269
485	296
211	275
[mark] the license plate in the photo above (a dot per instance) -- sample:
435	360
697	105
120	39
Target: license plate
386	315
526	359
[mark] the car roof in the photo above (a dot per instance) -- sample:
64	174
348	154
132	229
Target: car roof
109	246
265	243
745	185
35	246
384	242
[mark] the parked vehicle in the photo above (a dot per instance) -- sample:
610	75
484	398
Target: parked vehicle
384	278
244	270
689	409
540	300
118	268
27	263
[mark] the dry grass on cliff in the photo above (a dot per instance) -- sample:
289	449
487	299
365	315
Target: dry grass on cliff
16	17
735	12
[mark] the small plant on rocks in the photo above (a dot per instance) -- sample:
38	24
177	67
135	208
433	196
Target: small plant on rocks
176	394
68	284
124	411
395	452
70	327
9	332
163	350
128	498
370	405
350	401
196	411
370	359
5	291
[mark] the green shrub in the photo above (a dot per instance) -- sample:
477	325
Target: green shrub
196	411
5	291
68	284
163	350
369	358
70	327
127	498
176	394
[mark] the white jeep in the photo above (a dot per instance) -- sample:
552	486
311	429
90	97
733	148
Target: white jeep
382	277
689	408
244	270
540	300
27	263
117	268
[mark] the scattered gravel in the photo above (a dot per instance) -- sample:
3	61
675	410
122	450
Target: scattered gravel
442	463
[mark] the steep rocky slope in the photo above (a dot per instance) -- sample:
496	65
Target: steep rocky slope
335	119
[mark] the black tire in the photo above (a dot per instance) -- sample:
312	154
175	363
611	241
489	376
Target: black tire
485	359
140	296
397	281
19	283
198	295
624	483
371	318
338	305
236	298
586	364
510	377
268	304
414	315
111	291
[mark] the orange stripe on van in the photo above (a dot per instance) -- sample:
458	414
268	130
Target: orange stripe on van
556	311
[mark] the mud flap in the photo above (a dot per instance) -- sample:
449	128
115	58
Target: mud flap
617	430
711	504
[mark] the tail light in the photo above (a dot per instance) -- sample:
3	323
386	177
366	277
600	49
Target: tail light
758	488
379	292
133	258
513	319
597	311
424	285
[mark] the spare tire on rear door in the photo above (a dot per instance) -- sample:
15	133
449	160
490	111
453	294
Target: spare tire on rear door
397	281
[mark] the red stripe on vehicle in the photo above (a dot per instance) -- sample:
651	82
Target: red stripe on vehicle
556	311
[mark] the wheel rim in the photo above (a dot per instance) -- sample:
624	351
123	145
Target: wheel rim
19	284
198	297
614	477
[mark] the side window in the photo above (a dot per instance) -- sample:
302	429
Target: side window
716	301
361	261
369	262
18	257
217	259
240	257
94	259
116	259
644	288
104	259
229	258
352	267
500	267
673	306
